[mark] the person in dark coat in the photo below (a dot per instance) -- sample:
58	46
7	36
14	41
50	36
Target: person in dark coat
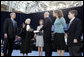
74	34
47	34
10	33
26	34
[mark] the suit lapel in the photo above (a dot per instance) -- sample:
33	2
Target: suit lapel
71	24
11	22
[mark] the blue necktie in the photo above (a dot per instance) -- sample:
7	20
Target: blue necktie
13	23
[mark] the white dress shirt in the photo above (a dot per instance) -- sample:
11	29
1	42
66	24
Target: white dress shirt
71	21
27	27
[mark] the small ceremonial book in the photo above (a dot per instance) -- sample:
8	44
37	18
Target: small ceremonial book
36	31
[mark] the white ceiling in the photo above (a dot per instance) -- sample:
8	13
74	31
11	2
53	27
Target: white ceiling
39	6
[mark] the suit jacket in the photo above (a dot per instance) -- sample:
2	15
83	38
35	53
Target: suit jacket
74	32
47	28
9	29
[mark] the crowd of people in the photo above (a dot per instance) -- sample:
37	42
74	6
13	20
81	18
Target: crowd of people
43	34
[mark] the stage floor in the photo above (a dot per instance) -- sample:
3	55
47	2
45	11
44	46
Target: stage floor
35	53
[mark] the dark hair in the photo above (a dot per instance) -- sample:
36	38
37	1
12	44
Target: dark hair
75	12
59	13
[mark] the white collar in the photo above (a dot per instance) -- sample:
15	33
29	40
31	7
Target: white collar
72	19
28	27
12	19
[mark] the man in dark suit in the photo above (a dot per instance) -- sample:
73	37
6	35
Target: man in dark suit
47	34
10	32
74	34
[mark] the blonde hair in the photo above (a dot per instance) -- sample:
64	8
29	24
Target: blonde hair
28	19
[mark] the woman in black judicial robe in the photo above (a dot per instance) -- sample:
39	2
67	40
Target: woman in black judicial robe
26	35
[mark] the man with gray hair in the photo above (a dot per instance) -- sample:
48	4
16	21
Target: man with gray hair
47	34
10	33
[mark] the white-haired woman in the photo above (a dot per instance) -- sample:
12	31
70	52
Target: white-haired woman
26	35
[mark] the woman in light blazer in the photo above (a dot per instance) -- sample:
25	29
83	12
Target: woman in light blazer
59	27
